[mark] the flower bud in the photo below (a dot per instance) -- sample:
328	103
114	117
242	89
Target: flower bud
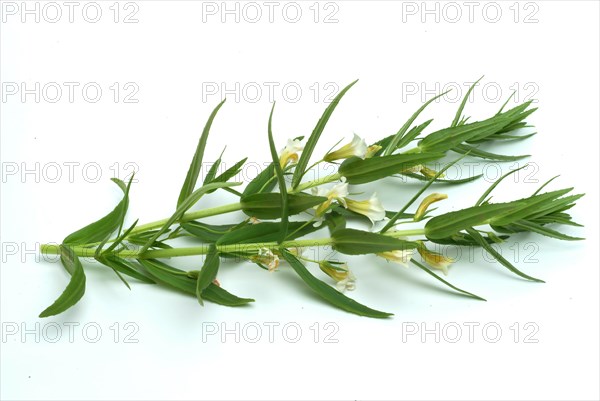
340	273
413	169
429	173
372	150
401	257
434	259
435	197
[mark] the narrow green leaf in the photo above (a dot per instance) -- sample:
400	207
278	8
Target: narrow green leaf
184	206
394	142
360	171
495	184
483	243
192	175
412	134
103	228
280	180
212	172
475	152
268	205
207	232
180	280
505	137
99	258
126	267
544	185
505	103
517	124
76	287
527	207
463	103
208	273
314	137
219	295
449	138
443	180
428	271
462	239
265	232
228	174
265	181
328	293
121	237
558	219
448	224
404	141
350	241
537	228
554	206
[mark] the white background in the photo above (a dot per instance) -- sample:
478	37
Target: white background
172	55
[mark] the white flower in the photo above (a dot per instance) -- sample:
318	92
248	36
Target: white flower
371	208
347	284
401	256
290	152
338	192
357	147
267	257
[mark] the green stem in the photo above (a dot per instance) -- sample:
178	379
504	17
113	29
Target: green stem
86	251
213	211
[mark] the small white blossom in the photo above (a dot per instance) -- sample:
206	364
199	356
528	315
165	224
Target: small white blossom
357	147
289	154
267	257
338	192
347	284
372	208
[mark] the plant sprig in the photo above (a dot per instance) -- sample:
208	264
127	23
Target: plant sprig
137	251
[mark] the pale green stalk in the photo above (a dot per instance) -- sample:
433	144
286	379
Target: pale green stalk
86	251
